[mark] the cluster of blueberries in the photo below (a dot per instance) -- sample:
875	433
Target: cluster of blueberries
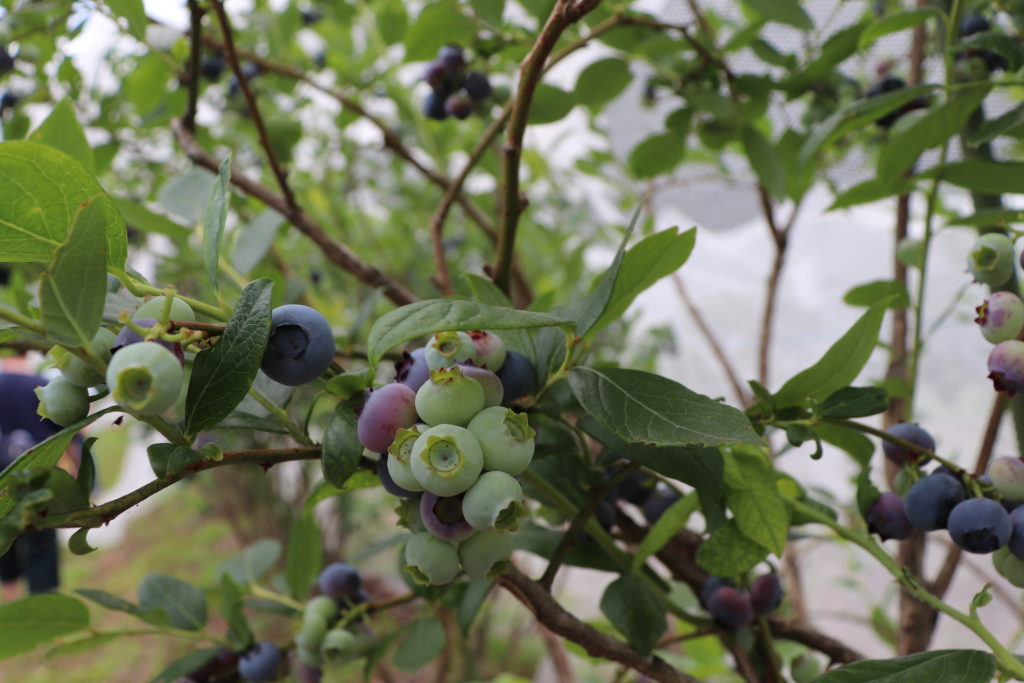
975	520
453	91
451	447
734	607
1001	315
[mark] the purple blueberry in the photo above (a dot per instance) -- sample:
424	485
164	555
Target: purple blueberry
980	525
435	75
452	58
458	105
1001	317
973	23
494	392
212	67
388	409
766	593
711	586
6	60
477	85
930	500
912	432
517	376
260	664
731	608
660	500
412	370
1006	367
443	517
339	580
301	345
888	519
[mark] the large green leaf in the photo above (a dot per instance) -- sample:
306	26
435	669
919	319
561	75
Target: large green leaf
341	447
252	563
62	131
839	366
959	666
214	219
657	154
602	81
73	290
640	407
783	11
765	160
899	21
39	619
993	128
438	24
133	12
184	604
486	292
635	611
423	641
671	522
550	104
728	552
41	191
758	509
304	556
989	177
222	375
140	218
437	315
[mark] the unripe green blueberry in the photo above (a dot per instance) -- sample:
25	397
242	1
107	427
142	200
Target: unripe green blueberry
1007	475
494	503
308	654
399	464
448	348
62	402
1001	317
154	308
1009	566
446	460
77	371
323	606
313	628
449	398
805	669
490	349
430	561
144	378
505	437
339	646
486	554
991	259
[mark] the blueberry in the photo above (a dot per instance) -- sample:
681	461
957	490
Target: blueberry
912	432
430	561
310	17
477	85
458	105
766	593
443	517
261	663
710	586
888	518
490	349
339	579
1007	476
449	348
8	100
517	376
436	75
399	460
452	58
339	646
506	438
212	67
412	370
494	503
446	460
930	500
127	336
1001	317
144	378
449	397
486	554
731	608
635	488
322	606
433	105
1016	542
980	525
154	308
605	514
494	392
388	409
973	23
991	259
306	673
388	482
1006	366
78	372
891	84
6	61
62	402
660	500
301	345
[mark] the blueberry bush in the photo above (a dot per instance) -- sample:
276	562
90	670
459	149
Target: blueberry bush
323	235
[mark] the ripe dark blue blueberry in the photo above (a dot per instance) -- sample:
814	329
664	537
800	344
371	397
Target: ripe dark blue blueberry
980	525
433	105
412	370
973	23
6	60
301	345
731	608
660	500
1006	367
930	500
888	519
7	101
766	593
636	488
339	580
451	56
1016	542
891	84
912	432
212	67
517	376
476	85
260	664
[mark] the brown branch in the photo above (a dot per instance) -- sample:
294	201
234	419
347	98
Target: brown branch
336	252
557	620
196	15
565	13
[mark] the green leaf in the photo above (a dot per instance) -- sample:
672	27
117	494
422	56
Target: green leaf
322	490
186	664
668	525
893	291
549	104
80	645
438	315
602	81
962	666
758	509
870	191
839	366
62	131
993	128
486	292
932	129
74	288
438	24
472	600
855	402
783	11
640	407
184	604
256	239
133	12
850	440
222	375
987	177
657	154
728	552
990	217
1003	45
141	218
39	619
110	601
252	563
87	469
304	557
649	260
230	607
635	611
341	447
423	641
41	193
78	544
764	159
213	221
891	23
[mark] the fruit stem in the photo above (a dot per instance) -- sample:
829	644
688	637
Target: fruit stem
139	288
282	417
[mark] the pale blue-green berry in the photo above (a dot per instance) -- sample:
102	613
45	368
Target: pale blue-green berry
313	628
991	259
486	554
62	402
144	378
449	398
446	460
154	308
401	454
77	371
448	348
1001	317
494	502
1007	475
490	349
323	606
494	391
505	437
340	645
430	561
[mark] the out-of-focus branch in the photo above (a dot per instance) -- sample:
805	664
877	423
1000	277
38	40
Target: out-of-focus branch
196	18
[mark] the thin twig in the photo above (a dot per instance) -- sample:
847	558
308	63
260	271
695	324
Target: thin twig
196	16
